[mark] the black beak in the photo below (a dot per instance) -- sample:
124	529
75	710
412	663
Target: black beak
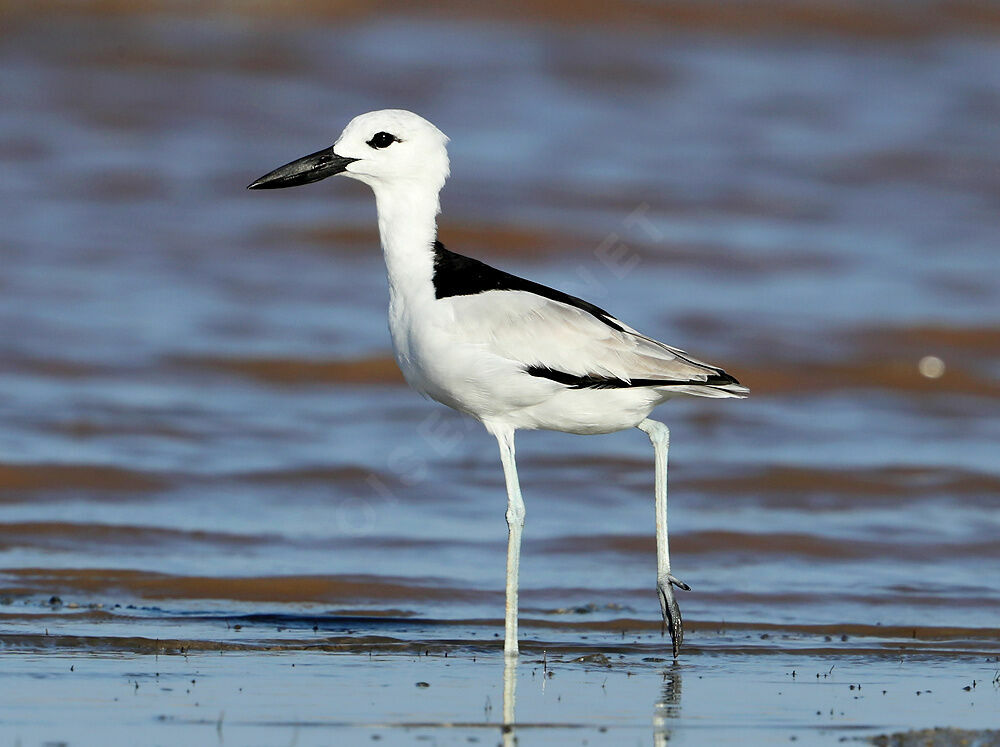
308	169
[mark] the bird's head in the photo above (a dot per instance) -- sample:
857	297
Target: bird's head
383	149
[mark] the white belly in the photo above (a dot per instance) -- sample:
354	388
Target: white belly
588	411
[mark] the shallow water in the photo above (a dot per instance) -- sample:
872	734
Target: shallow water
246	699
200	420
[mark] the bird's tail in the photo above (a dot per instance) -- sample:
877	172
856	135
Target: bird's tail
717	391
718	385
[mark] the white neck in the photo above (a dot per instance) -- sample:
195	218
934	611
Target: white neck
408	228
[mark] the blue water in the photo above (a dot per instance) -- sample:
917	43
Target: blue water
815	214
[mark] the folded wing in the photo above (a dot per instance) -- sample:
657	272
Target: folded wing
582	346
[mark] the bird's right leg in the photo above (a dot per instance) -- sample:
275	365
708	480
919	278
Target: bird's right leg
515	523
659	436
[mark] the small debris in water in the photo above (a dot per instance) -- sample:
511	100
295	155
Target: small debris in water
931	367
600	659
940	737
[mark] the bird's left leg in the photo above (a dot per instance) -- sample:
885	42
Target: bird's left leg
515	523
659	435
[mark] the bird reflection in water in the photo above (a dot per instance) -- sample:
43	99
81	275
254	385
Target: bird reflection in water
509	696
668	707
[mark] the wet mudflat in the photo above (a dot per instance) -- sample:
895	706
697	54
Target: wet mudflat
211	469
265	679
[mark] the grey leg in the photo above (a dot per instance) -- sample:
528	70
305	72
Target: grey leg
515	523
659	435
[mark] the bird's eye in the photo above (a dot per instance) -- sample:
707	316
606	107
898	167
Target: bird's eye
382	140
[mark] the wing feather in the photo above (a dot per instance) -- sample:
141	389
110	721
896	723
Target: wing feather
540	333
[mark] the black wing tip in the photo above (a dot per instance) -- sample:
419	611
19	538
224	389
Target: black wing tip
721	378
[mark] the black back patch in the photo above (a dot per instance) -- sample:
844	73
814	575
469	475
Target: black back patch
457	275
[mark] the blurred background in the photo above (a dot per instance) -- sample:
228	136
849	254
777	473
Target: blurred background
199	411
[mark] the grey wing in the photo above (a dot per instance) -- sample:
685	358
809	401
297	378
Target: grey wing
578	348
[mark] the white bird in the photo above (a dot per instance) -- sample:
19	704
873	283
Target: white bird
507	351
